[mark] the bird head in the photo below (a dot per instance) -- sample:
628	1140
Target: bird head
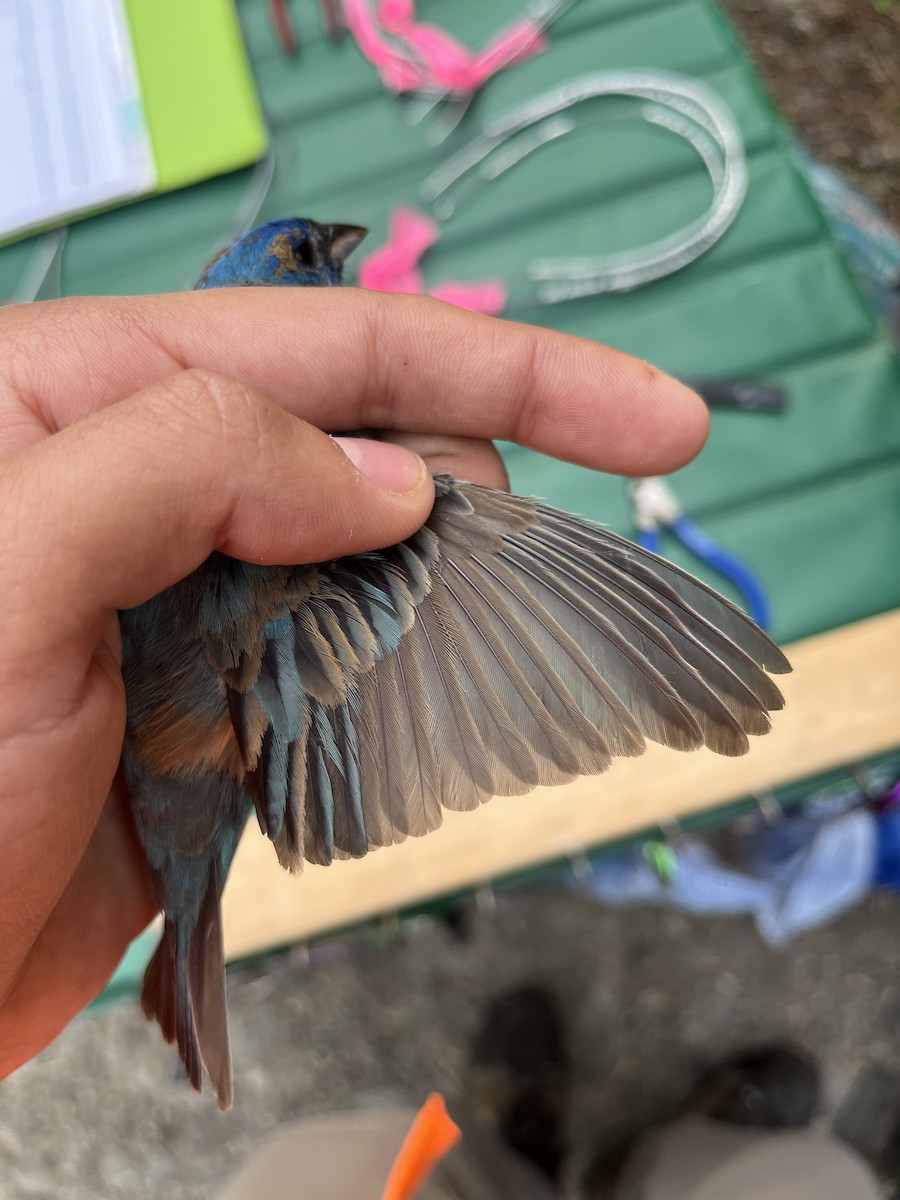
295	252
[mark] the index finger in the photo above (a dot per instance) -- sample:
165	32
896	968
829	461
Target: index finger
344	358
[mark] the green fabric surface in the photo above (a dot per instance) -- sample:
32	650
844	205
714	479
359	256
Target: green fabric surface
810	499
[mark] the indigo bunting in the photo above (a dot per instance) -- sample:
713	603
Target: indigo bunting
505	645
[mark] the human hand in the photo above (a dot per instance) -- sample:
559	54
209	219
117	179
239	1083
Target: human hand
139	435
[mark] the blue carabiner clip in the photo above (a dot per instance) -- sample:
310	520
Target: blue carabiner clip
656	509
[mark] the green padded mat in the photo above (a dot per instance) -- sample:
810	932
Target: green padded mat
810	499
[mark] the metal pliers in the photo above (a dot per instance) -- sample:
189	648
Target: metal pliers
656	508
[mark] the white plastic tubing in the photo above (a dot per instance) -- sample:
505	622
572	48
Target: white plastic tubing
678	103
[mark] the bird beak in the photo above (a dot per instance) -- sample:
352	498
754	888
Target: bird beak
343	240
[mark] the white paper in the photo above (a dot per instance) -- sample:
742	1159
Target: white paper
73	135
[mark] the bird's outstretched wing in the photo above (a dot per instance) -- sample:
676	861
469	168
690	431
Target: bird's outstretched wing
505	645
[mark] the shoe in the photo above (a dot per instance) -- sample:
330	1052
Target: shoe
888	1163
773	1087
868	1120
520	1076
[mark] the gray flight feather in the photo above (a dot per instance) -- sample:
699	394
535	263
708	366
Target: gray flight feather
505	645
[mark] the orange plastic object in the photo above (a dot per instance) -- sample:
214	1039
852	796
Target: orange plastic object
432	1135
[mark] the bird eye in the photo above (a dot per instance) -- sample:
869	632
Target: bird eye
304	254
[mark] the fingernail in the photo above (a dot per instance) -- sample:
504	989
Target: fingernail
390	467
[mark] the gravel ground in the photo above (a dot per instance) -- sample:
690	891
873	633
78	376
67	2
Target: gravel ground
833	67
650	996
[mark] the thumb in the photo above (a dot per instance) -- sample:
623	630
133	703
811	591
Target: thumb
117	507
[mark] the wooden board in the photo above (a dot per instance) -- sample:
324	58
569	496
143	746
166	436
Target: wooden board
843	706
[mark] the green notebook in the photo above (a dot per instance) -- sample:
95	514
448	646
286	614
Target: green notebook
199	95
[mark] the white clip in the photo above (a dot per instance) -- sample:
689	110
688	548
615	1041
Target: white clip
581	866
654	503
769	806
672	832
486	899
299	956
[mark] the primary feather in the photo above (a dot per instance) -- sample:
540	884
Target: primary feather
504	645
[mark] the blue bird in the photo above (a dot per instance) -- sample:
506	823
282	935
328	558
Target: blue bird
505	645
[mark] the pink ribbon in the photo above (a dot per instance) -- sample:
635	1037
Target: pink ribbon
394	267
417	56
488	297
396	70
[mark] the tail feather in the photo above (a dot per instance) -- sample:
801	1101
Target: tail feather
206	986
159	994
184	991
